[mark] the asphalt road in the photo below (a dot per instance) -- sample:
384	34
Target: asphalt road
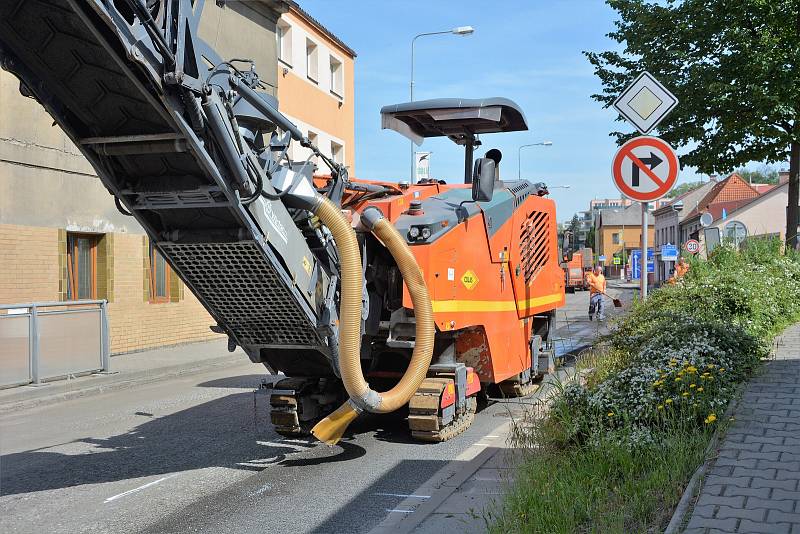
198	454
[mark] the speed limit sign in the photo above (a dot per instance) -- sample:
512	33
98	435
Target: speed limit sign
692	246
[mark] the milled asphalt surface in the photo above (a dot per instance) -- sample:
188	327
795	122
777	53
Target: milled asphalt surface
192	454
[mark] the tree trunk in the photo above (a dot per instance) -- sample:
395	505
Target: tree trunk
793	210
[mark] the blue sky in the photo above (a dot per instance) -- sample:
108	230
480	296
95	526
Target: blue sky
529	51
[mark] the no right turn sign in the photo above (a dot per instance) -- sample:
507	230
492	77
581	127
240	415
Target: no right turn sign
645	168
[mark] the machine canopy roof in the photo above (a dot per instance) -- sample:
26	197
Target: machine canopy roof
457	118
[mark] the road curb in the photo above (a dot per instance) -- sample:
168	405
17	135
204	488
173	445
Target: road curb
127	381
695	483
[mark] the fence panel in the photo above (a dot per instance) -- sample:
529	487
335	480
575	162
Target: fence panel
15	349
70	342
52	340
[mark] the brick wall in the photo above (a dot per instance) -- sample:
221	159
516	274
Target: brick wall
28	264
33	268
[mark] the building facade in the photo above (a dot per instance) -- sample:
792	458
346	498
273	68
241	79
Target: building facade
316	87
762	216
61	237
668	219
619	231
727	194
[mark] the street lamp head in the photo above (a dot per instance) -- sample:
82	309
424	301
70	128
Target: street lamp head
547	143
463	30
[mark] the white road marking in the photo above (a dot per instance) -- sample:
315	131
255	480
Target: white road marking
134	490
400	511
490	436
404	496
262	489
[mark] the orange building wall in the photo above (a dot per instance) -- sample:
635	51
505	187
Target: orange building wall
313	104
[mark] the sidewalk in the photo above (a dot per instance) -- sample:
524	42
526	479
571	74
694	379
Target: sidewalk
753	484
462	495
126	370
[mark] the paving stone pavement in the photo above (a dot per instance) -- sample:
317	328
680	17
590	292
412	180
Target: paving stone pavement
754	484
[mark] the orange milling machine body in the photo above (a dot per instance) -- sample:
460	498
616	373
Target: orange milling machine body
487	282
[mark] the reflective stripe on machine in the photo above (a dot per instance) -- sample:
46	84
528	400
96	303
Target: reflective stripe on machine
492	305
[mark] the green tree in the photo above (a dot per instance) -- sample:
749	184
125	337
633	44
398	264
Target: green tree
765	175
683	188
734	66
574	228
590	238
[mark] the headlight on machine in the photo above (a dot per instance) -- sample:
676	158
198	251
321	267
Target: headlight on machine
413	232
426	233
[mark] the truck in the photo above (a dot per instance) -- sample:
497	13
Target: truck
576	268
369	296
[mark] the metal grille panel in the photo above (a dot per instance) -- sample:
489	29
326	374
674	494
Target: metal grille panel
534	243
245	291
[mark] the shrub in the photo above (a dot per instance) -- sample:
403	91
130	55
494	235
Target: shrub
615	452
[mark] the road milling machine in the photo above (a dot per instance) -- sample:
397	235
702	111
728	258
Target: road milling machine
368	296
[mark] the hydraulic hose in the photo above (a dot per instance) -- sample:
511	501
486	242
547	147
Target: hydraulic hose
362	397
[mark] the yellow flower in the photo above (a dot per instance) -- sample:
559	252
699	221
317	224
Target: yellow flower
692	385
668	401
685	393
678	379
692	369
660	406
721	369
710	366
699	389
611	414
711	418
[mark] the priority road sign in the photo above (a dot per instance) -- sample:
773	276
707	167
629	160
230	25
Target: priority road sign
645	102
692	246
645	168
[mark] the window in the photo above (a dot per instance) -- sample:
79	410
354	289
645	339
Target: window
337	152
337	77
159	276
82	266
312	137
615	238
311	61
284	33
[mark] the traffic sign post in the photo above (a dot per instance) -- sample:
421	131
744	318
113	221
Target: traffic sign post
669	252
645	168
692	246
645	102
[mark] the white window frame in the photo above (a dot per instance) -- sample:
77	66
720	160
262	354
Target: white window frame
312	61
284	39
337	152
337	76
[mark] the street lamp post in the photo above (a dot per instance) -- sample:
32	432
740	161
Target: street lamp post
460	30
519	155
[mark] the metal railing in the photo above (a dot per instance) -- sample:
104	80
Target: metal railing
41	341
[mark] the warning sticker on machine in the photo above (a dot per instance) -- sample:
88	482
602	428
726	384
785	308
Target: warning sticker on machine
469	279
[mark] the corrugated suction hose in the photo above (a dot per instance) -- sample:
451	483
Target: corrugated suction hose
331	428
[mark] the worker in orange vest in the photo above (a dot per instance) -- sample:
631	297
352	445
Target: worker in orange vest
597	288
680	270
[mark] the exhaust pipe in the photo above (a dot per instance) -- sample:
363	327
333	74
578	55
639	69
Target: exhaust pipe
362	397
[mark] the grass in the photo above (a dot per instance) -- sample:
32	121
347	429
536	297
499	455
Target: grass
602	488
